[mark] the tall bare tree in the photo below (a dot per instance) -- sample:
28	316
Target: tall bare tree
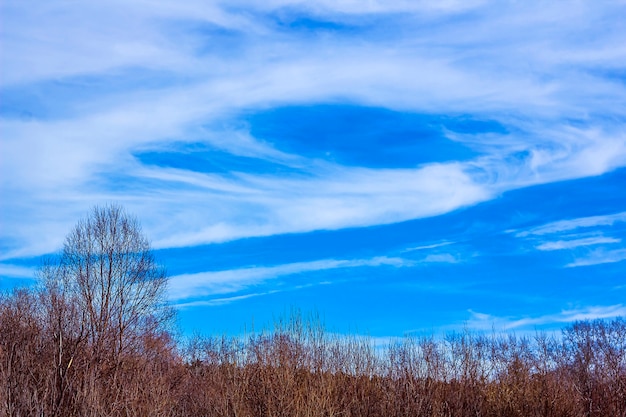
108	270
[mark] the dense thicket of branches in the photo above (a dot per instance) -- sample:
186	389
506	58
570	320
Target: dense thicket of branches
68	344
93	340
299	370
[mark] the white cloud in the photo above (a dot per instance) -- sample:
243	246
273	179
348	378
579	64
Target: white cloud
573	224
441	258
223	282
574	243
219	301
431	246
336	198
487	322
330	7
53	169
191	286
16	271
599	256
570	236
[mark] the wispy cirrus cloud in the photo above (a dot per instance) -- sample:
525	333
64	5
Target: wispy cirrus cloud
185	289
584	237
430	246
484	321
599	256
441	257
223	282
220	300
16	271
573	224
575	243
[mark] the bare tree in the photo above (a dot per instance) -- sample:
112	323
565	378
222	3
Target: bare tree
108	270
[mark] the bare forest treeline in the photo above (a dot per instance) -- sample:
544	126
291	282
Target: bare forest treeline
95	339
298	369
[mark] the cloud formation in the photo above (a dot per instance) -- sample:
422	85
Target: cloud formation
600	256
214	60
204	284
574	243
488	322
584	237
573	224
16	271
157	107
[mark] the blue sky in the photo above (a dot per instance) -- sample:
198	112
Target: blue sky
397	167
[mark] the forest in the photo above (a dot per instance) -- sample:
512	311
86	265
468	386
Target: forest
96	337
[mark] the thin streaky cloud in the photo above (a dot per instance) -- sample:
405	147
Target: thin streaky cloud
187	286
228	300
598	257
16	271
574	243
572	224
220	301
431	246
221	282
441	258
487	321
